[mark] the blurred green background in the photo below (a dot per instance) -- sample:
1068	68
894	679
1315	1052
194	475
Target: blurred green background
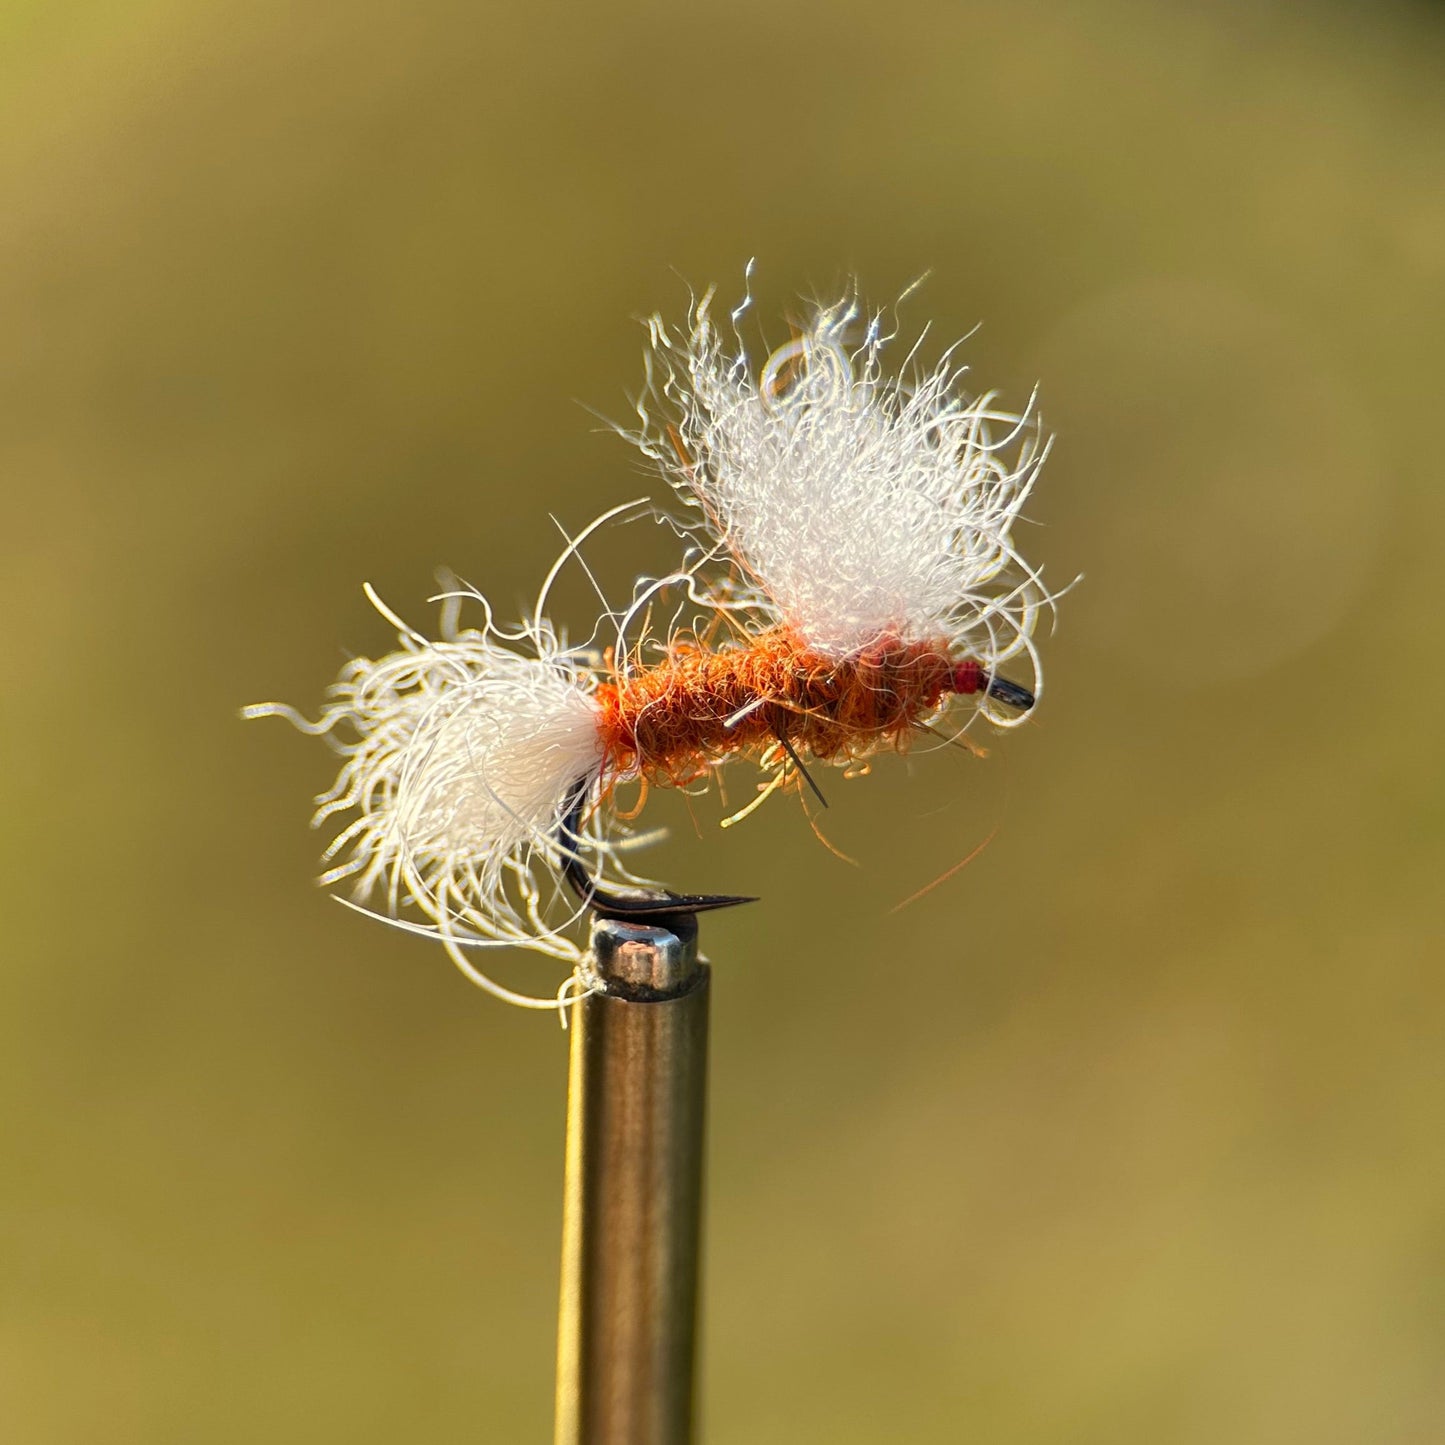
1132	1130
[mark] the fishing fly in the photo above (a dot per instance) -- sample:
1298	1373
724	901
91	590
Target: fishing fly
852	580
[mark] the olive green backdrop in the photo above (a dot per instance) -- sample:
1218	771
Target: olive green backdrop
1131	1130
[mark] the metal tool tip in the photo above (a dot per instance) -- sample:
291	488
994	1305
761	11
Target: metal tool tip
644	959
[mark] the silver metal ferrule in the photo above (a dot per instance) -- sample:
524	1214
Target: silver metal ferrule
632	1206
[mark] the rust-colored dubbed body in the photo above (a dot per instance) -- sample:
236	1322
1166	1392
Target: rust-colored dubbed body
669	723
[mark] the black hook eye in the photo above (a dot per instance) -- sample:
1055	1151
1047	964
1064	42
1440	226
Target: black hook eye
1010	692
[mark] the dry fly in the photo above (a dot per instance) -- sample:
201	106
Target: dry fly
850	565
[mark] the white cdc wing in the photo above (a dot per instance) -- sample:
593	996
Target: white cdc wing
854	505
458	757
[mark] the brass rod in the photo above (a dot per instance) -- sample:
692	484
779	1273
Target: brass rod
632	1206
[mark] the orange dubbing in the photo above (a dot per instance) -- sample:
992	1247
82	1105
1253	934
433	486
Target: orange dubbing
668	723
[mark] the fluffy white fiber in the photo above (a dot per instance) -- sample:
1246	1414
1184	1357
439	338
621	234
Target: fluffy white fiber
824	495
458	756
852	503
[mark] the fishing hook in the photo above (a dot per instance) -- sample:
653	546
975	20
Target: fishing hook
637	904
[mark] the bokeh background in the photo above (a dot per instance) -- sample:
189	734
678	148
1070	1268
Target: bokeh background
1131	1131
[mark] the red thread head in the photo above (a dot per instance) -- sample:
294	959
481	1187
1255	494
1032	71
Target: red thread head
968	676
